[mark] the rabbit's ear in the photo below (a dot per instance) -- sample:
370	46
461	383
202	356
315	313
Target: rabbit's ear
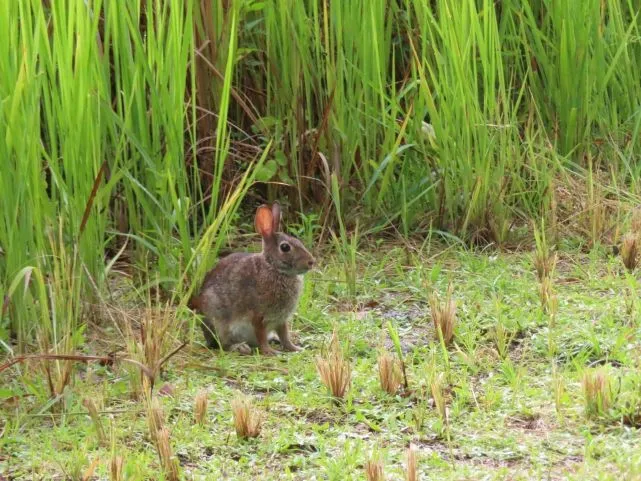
264	221
276	217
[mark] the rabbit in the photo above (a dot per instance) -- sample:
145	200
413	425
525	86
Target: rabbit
247	297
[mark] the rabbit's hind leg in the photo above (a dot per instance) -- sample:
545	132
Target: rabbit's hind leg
283	334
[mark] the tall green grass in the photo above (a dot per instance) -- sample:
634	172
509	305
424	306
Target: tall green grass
134	121
515	91
99	132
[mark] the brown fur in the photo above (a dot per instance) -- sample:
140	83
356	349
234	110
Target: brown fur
246	297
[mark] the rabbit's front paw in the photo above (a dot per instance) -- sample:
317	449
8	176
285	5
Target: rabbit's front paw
267	351
290	347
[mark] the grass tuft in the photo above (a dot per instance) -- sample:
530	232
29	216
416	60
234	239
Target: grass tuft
166	455
200	407
549	299
334	370
155	417
597	392
443	315
151	344
544	263
95	419
438	396
247	419
115	468
630	251
544	258
389	373
160	436
411	470
375	469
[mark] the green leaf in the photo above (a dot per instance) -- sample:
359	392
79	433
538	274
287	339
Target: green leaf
6	393
280	157
266	172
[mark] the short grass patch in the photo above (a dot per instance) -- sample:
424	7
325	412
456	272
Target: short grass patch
512	397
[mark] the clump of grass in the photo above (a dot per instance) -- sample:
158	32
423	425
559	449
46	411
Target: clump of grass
60	330
165	453
200	407
411	470
115	468
152	344
544	260
544	263
549	299
558	387
438	396
248	420
630	251
444	315
389	373
160	436
595	214
90	405
155	417
544	257
502	339
597	392
374	469
396	340
346	244
334	370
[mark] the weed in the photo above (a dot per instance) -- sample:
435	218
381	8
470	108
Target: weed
630	251
200	407
558	388
420	410
389	373
247	419
443	315
166	455
595	214
597	392
544	259
60	330
438	396
95	419
160	437
411	468
396	340
334	370
346	245
155	417
502	339
549	299
374	469
152	344
115	468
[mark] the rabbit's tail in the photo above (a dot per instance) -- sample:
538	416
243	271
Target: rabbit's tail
208	329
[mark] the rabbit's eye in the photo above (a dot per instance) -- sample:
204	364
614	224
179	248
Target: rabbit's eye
285	247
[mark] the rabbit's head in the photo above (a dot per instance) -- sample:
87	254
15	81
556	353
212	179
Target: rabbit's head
284	252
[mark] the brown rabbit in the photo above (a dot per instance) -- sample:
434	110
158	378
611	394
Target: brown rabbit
246	297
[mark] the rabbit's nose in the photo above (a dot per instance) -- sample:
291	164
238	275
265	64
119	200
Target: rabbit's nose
310	263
